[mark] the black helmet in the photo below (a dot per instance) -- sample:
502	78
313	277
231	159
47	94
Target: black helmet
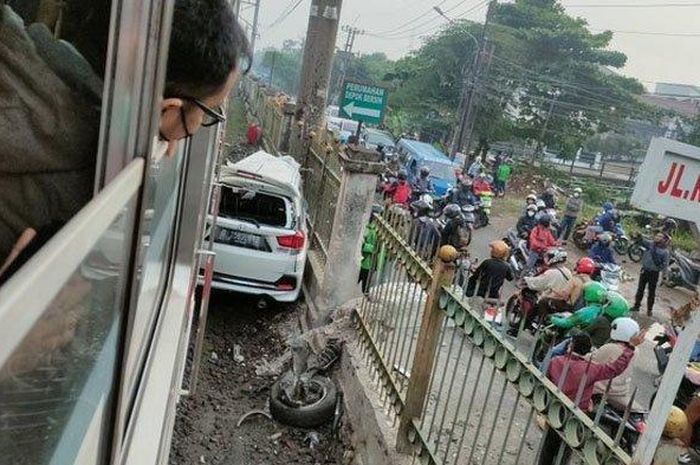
424	171
452	211
403	175
545	220
421	207
378	209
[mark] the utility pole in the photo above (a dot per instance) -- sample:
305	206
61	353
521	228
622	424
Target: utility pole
321	36
346	54
272	65
471	87
241	8
543	133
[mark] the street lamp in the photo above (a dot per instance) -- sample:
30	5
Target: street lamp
452	21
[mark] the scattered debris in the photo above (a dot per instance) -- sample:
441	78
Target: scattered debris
276	436
214	357
263	368
237	357
251	413
201	459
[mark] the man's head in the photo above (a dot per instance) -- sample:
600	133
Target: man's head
581	344
661	240
207	46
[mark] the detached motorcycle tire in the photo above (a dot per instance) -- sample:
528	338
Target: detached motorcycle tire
305	416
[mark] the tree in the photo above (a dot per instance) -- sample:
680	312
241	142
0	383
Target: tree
693	137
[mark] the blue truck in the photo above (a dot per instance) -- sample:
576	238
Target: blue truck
414	155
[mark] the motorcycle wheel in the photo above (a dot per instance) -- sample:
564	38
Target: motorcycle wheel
621	245
469	236
514	314
635	253
668	280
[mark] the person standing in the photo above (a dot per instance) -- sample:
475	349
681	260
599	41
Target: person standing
654	262
369	249
491	273
573	208
476	168
502	176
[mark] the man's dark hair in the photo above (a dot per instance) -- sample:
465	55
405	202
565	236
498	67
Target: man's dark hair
206	44
581	344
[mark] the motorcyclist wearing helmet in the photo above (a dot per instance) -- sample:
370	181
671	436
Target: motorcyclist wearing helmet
422	184
399	191
552	285
540	240
672	447
622	330
601	252
599	329
425	233
491	273
549	197
527	222
609	219
595	297
576	375
482	184
573	208
475	168
453	232
668	227
569	297
531	199
541	209
462	195
654	262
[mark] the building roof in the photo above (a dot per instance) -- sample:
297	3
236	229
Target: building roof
677	90
688	107
427	151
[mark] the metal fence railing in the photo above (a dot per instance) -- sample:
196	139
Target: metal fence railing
462	391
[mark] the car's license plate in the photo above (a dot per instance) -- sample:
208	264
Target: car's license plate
241	239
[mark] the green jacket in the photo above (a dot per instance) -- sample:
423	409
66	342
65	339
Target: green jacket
503	172
581	318
369	246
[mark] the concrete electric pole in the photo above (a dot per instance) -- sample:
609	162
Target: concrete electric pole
346	54
250	22
321	37
472	87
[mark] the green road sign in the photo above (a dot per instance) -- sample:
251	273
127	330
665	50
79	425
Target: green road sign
363	102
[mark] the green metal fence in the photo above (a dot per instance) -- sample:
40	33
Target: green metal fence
482	401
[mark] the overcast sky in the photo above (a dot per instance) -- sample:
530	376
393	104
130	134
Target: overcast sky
651	58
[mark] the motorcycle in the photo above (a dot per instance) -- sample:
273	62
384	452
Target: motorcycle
688	394
468	212
580	233
621	242
613	416
518	252
637	248
681	271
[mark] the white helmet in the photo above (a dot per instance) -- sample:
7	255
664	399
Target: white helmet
578	190
540	204
623	329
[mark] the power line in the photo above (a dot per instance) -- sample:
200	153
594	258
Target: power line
285	14
632	5
408	23
652	33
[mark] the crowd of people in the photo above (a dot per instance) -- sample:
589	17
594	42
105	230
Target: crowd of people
593	334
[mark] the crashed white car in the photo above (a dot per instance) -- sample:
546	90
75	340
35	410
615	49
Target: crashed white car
260	237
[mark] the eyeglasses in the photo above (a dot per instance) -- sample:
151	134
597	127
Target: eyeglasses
211	116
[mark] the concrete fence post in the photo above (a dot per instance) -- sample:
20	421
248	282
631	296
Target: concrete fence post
431	322
355	197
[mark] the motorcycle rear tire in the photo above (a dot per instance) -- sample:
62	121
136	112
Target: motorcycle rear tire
635	253
621	246
514	314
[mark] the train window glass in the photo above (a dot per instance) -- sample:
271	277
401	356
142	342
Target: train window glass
52	58
57	388
160	207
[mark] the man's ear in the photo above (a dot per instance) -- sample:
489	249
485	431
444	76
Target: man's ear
169	103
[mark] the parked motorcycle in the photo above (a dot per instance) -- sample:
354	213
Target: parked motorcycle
621	242
579	235
682	271
637	248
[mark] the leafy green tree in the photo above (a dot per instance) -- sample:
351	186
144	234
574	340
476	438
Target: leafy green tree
693	137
